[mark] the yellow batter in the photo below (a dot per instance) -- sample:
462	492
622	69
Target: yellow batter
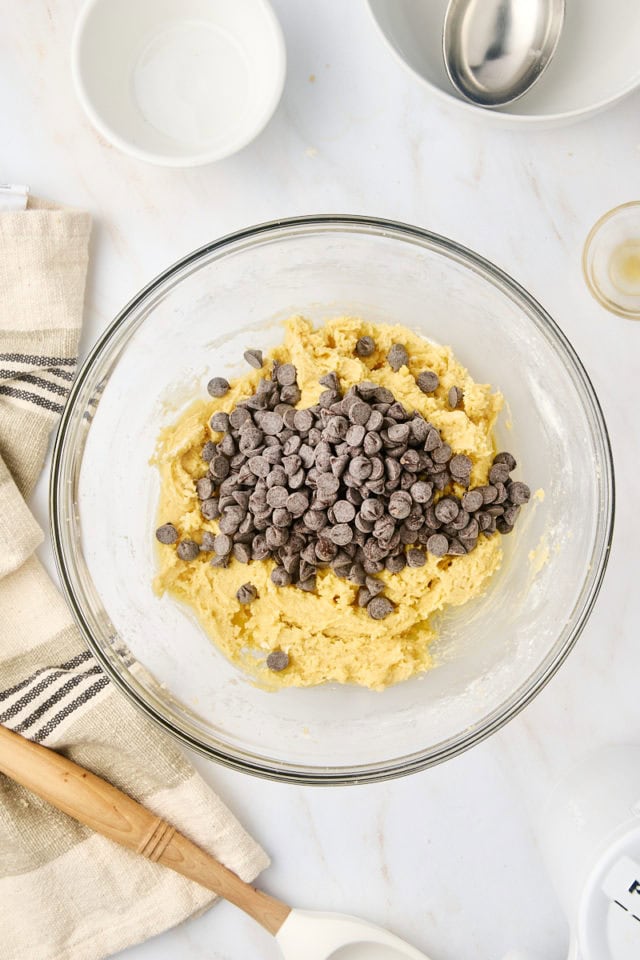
327	637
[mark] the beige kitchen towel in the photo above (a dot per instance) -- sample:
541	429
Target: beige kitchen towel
66	893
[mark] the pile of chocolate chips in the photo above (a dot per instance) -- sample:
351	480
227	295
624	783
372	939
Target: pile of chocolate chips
355	483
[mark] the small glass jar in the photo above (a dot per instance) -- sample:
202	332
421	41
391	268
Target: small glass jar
611	260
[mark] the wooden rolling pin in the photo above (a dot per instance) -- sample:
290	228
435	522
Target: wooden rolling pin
116	816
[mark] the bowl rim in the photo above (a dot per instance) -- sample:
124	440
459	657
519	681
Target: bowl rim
236	758
185	159
496	115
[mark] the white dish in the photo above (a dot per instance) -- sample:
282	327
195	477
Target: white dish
178	82
597	61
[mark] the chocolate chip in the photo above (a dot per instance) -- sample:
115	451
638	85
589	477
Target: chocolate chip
227	445
273	452
341	534
209	451
507	458
357	574
254	358
281	517
231	519
472	500
325	549
238	416
219	561
220	467
437	544
428	381
489	493
460	521
286	374
416	558
276	536
432	441
303	421
460	466
355	435
336	429
277	496
292	445
328	486
246	593
297	504
397	357
278	660
371	510
223	544
421	491
498	473
359	413
400	504
501	492
454	397
484	520
446	510
470	532
384	395
251	439
419	429
360	468
204	488
210	509
502	526
167	533
363	597
397	412
315	520
366	389
271	423
259	548
259	466
365	346
188	549
218	387
331	382
399	432
290	394
410	460
241	552
308	585
343	511
519	492
396	563
280	577
208	540
511	514
456	549
441	454
219	421
372	443
380	607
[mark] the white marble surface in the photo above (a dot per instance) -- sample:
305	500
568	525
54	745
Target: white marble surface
447	858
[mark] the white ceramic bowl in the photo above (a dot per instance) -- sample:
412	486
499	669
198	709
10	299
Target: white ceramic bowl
596	64
178	82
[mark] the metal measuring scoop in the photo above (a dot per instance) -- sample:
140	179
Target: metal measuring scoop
495	50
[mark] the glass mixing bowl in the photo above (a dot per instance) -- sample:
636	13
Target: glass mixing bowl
493	654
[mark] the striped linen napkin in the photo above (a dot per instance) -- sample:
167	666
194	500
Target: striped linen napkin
64	891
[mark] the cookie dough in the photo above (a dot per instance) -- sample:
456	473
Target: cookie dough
327	637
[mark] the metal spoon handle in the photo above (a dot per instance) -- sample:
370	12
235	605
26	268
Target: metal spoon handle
110	812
